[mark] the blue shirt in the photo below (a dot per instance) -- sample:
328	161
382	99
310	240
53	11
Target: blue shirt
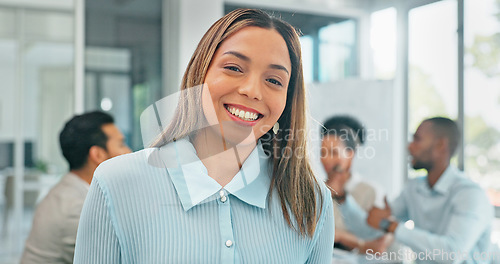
160	206
354	217
452	220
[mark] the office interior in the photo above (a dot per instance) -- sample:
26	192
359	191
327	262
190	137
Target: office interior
390	63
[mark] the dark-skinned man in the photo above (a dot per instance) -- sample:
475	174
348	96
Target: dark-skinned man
452	216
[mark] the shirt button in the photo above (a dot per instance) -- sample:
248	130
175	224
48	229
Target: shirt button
223	197
229	243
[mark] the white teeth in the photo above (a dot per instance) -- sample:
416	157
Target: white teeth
247	116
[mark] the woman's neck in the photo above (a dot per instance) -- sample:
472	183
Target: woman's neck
222	158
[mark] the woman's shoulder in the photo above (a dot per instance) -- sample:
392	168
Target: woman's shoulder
130	159
326	220
324	202
123	166
324	192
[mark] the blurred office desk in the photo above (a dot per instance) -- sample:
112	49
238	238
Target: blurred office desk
44	183
34	187
347	257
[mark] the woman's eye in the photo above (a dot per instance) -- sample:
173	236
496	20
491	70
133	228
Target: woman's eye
232	68
275	82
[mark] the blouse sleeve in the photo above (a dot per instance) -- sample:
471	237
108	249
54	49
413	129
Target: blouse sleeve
96	240
322	251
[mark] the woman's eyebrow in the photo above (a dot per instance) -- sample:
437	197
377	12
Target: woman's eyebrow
279	67
245	58
237	54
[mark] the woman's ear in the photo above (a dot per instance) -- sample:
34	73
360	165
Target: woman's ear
97	155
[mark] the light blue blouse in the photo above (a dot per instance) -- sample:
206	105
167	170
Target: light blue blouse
160	206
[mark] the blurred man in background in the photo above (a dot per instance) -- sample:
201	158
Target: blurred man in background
452	216
86	140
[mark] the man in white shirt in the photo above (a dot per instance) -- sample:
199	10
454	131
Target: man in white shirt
86	140
452	216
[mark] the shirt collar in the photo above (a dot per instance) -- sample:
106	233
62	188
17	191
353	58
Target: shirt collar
194	186
446	180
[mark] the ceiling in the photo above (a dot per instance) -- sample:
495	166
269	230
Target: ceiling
135	8
152	8
307	23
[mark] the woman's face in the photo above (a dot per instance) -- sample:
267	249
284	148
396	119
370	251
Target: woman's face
335	156
246	84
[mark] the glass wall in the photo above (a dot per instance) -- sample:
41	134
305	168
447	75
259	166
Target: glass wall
433	82
329	44
330	50
433	60
337	51
482	95
306	42
37	97
383	43
123	61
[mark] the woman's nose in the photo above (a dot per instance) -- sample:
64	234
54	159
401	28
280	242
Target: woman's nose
252	88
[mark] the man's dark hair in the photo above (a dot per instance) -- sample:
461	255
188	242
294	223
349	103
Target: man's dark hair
80	134
347	128
445	127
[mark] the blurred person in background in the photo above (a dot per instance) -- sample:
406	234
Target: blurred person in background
86	140
452	216
341	136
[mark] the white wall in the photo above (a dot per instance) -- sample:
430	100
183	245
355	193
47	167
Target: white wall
8	51
55	108
184	23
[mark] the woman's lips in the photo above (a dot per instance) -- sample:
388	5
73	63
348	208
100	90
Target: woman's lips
243	115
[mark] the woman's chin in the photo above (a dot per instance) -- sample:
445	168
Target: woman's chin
240	139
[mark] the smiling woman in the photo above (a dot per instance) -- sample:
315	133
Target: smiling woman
227	191
248	82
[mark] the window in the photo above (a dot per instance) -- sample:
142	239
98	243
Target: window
383	43
482	95
432	57
37	96
306	43
337	48
123	70
329	44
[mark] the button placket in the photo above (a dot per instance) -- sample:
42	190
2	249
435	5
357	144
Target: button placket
226	228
